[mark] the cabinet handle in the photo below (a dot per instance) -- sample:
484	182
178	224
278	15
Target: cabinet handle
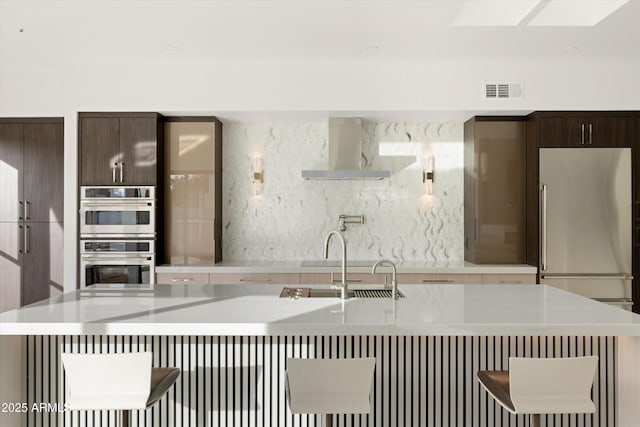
121	171
20	239
27	237
26	210
20	209
590	134
186	279
348	281
255	280
582	134
113	172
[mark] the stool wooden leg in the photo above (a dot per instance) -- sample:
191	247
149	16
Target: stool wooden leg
328	420
535	420
124	418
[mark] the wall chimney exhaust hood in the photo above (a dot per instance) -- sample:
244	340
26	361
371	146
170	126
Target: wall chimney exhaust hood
345	152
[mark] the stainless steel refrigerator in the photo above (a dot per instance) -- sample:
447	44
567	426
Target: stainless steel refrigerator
585	222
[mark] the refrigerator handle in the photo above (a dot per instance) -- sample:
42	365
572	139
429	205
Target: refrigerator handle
543	227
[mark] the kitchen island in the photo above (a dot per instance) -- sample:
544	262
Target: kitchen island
231	343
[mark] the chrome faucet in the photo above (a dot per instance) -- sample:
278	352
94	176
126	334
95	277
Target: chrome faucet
343	285
394	282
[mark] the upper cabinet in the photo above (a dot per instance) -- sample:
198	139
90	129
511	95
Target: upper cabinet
494	215
193	190
120	148
584	129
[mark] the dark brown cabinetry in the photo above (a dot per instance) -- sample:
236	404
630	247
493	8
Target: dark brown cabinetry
584	129
581	129
120	148
31	210
494	215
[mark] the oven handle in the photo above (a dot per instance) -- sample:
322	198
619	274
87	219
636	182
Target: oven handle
117	258
116	204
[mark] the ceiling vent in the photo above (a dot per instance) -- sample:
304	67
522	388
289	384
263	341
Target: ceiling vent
502	91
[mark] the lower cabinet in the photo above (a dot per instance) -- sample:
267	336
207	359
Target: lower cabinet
183	278
438	279
254	278
320	279
335	278
509	279
32	268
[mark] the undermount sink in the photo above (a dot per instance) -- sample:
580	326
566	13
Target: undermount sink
335	293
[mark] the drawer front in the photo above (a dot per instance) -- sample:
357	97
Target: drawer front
438	279
509	279
255	278
183	278
355	278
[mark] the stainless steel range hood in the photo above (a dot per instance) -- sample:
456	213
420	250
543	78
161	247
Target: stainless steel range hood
345	152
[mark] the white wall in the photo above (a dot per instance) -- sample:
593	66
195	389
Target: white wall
211	88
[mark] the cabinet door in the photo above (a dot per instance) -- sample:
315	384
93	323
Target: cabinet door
44	172
587	131
190	193
43	262
11	163
10	265
438	279
98	150
139	148
255	278
554	132
612	131
509	279
499	204
183	278
327	279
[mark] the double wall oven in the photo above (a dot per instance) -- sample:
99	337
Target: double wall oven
117	238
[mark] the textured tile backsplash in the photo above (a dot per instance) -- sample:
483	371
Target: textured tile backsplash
291	216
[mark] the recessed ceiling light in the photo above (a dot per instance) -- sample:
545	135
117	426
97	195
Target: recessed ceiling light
373	48
575	13
172	47
493	12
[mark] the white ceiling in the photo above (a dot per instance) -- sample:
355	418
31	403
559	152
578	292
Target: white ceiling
40	34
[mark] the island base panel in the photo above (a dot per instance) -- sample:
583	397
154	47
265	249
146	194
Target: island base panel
233	381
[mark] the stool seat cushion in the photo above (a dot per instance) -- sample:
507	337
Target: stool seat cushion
543	385
497	384
107	381
329	386
161	380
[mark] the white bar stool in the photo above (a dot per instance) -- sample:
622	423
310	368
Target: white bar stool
329	386
543	386
120	381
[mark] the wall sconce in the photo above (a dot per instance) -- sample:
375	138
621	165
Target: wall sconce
258	177
427	175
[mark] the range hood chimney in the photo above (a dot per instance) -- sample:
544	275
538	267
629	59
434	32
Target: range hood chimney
345	152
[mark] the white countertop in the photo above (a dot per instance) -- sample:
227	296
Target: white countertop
469	310
355	266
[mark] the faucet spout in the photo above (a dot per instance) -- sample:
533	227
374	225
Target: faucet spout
343	284
394	282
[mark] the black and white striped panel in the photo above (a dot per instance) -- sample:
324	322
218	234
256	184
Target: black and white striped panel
238	381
